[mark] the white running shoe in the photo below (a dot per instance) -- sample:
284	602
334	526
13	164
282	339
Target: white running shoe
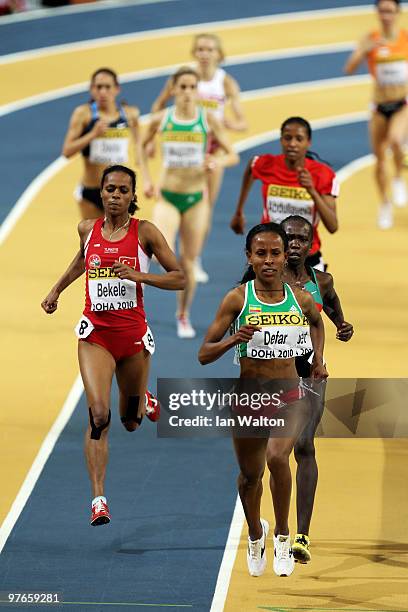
399	192
256	553
200	274
184	327
385	216
283	560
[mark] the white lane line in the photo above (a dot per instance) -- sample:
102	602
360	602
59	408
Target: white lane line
129	77
179	30
40	460
37	184
277	90
317	124
79	8
238	518
355	166
228	558
75	393
28	196
24	201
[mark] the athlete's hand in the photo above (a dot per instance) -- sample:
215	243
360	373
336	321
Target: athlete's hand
125	272
150	149
237	223
211	163
305	178
50	303
369	44
344	331
149	190
318	370
99	128
245	333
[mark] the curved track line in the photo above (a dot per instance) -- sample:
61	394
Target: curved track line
228	24
40	460
102	5
25	200
28	195
74	394
139	75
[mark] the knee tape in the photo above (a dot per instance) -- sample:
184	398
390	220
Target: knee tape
96	431
132	410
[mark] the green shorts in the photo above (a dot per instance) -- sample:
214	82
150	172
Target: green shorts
182	201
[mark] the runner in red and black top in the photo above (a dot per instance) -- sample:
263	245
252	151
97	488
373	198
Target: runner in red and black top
321	287
113	333
292	184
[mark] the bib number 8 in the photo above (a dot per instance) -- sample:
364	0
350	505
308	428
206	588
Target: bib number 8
83	327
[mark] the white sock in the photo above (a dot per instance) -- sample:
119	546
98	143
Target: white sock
99	498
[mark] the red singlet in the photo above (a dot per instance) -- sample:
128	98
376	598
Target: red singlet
283	195
111	301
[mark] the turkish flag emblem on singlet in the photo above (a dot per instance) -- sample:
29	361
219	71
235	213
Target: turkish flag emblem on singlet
128	261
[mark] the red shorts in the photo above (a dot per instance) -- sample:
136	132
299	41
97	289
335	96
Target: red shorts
213	145
122	343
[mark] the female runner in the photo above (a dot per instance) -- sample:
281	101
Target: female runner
101	131
216	88
292	184
268	318
386	51
321	287
183	205
114	337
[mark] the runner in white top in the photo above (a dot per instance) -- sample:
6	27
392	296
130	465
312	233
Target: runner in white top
216	88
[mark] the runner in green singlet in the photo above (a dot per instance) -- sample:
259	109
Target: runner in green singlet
182	200
320	285
269	323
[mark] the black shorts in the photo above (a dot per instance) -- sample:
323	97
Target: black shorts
303	365
92	194
388	109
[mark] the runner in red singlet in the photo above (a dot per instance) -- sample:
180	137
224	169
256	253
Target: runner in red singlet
292	184
114	337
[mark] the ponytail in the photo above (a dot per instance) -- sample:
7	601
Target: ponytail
249	275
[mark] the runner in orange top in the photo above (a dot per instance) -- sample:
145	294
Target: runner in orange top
386	52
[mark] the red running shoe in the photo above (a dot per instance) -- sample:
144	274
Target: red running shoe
152	406
100	512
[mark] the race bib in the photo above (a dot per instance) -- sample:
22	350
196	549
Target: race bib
392	72
281	202
148	341
84	327
111	148
182	155
108	292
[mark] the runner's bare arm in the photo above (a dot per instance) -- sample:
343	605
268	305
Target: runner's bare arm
232	90
237	223
74	142
214	346
154	243
332	306
75	269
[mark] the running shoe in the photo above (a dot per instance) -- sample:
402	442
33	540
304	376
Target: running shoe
256	553
152	406
300	548
399	192
100	511
385	217
184	327
200	274
283	561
